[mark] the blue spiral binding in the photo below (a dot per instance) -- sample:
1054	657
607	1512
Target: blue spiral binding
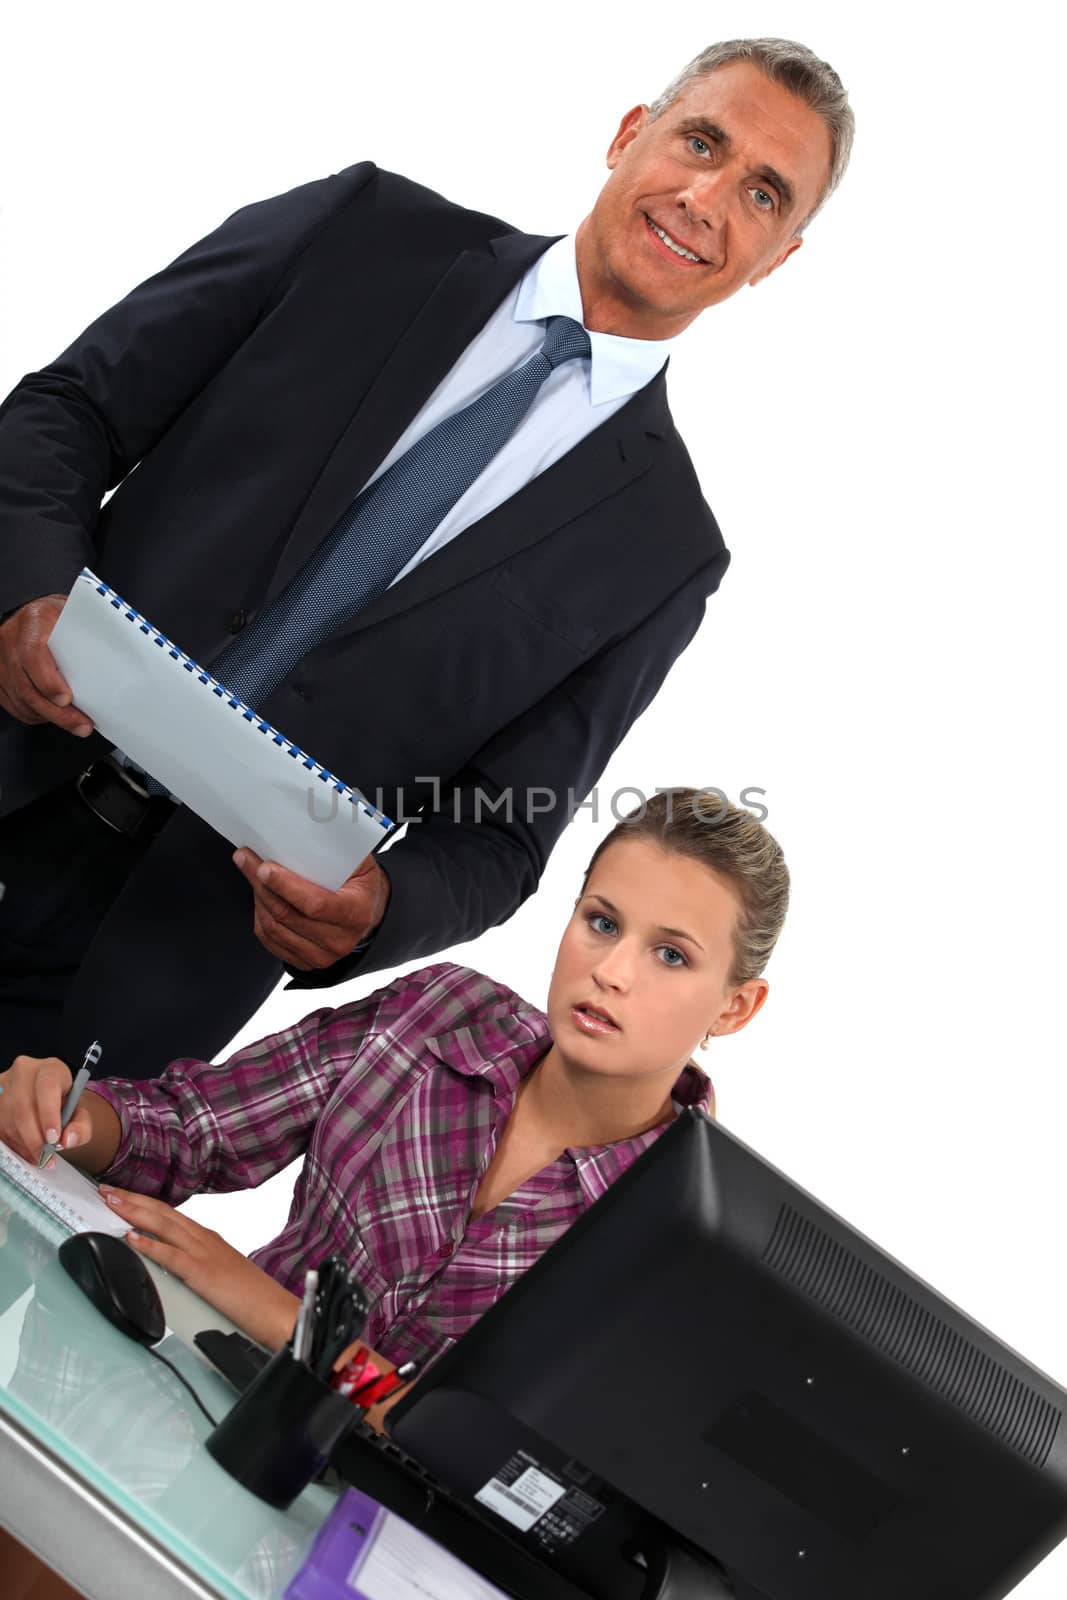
353	796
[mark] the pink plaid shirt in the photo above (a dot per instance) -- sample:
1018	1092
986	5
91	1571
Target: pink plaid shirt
397	1103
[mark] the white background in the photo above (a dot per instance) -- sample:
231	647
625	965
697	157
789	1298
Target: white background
874	430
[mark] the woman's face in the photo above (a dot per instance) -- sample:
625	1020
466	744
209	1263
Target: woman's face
642	972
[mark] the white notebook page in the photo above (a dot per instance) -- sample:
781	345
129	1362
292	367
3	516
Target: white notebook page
66	1193
235	770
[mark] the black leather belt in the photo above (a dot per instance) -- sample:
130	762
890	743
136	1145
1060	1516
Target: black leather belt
119	798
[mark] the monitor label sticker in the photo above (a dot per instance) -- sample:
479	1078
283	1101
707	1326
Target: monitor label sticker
534	1499
521	1493
566	1520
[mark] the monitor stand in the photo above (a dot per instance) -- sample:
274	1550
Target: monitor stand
676	1572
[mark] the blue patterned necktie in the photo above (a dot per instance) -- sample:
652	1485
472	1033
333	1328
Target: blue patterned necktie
387	523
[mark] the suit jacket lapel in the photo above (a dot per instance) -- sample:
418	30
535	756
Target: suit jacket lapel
601	464
455	310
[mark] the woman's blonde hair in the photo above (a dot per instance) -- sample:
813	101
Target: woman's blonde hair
701	824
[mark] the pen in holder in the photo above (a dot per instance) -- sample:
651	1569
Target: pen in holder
282	1430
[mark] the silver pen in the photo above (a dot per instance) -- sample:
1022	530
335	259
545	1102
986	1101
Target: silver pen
305	1317
74	1094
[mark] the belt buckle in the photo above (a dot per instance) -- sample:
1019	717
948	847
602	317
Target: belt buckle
127	778
128	782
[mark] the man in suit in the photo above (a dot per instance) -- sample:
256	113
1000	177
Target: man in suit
261	386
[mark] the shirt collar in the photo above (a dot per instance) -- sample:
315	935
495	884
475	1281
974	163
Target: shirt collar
600	1165
502	1049
619	367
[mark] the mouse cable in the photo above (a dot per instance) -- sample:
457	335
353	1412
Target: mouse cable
182	1379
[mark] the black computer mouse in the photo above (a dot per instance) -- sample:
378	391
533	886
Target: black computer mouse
117	1282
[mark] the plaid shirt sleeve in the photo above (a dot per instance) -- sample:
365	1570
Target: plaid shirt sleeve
204	1128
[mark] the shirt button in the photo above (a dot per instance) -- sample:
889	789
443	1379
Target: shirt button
445	1250
237	621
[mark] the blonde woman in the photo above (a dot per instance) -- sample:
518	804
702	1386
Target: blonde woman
450	1130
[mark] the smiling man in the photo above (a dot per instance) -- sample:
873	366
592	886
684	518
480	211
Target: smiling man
407	481
709	190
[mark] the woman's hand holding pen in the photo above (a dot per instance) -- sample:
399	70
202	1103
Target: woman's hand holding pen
31	1106
251	1299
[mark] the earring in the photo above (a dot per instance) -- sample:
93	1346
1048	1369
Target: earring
707	1036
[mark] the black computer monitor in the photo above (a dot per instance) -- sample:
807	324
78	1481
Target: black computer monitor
712	1374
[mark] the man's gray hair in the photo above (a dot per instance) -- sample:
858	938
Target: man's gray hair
797	69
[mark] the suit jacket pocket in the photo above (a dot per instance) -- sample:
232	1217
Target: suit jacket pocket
563	615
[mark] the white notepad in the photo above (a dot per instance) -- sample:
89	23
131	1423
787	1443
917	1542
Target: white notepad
181	725
404	1563
68	1196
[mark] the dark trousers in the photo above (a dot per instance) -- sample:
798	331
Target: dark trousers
62	870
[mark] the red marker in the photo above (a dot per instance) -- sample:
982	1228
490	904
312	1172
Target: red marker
369	1394
359	1369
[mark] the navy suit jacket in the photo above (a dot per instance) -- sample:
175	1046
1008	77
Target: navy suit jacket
254	385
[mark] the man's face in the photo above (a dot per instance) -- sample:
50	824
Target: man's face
727	173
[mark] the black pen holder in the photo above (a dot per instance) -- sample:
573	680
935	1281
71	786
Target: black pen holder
282	1430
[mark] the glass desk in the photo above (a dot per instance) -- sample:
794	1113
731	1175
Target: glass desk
103	1471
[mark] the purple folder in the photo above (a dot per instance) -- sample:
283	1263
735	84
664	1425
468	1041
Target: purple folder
363	1552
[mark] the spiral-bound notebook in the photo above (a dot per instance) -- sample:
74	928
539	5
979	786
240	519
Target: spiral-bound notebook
180	724
69	1197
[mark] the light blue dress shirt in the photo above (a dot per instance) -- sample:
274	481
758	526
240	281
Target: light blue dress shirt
574	399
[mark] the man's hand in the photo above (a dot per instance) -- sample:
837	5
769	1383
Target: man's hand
308	927
32	687
212	1268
